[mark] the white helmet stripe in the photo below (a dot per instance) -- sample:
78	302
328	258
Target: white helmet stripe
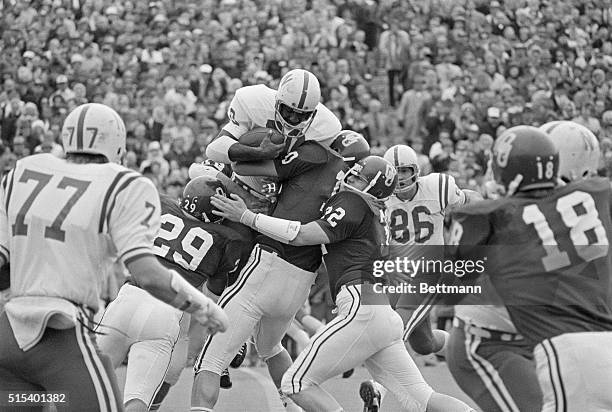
80	123
304	91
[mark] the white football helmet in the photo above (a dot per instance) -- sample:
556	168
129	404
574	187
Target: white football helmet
578	149
95	129
297	98
403	157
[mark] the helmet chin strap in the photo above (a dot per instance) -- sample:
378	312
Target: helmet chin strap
406	193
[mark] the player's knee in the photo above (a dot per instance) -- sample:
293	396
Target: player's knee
292	384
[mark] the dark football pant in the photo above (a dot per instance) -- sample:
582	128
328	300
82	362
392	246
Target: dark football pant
500	376
64	361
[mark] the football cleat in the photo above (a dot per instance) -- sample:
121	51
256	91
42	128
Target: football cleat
370	396
225	382
239	358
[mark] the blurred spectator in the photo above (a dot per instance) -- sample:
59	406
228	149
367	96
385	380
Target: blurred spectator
456	72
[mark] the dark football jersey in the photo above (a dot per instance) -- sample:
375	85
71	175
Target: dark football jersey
357	236
307	175
195	249
547	257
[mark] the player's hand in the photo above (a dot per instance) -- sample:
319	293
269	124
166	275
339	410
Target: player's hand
270	150
212	317
231	209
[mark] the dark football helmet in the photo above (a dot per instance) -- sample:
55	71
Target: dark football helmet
527	151
352	146
379	174
196	198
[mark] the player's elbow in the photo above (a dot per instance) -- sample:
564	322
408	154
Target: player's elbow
149	274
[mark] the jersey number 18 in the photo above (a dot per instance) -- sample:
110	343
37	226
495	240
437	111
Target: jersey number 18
586	230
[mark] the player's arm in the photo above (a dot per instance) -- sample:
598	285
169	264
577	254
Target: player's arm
7	181
263	168
231	186
286	231
339	221
453	196
133	224
226	148
471	196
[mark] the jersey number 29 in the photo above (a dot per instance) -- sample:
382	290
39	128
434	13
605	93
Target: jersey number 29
195	236
587	233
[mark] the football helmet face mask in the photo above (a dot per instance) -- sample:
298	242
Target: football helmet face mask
352	146
94	128
196	198
405	161
378	175
578	149
297	98
528	152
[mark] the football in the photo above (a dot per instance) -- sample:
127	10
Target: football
255	136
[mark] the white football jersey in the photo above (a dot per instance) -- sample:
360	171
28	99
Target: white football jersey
62	225
420	221
254	106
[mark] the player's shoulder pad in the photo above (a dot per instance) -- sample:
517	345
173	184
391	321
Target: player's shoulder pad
593	184
170	205
226	232
313	152
437	186
251	95
349	198
325	124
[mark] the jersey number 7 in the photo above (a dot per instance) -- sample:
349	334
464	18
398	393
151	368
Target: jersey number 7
586	230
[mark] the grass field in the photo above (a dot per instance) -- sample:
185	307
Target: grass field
253	390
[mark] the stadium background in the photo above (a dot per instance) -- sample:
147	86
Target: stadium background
445	76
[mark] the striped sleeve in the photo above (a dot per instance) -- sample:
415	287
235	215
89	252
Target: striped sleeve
6	187
452	195
133	216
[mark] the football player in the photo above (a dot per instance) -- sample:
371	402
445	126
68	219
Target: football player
277	279
416	212
352	228
294	110
191	242
62	223
548	259
487	357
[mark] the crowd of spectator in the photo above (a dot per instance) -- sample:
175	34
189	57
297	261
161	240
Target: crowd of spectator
445	76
